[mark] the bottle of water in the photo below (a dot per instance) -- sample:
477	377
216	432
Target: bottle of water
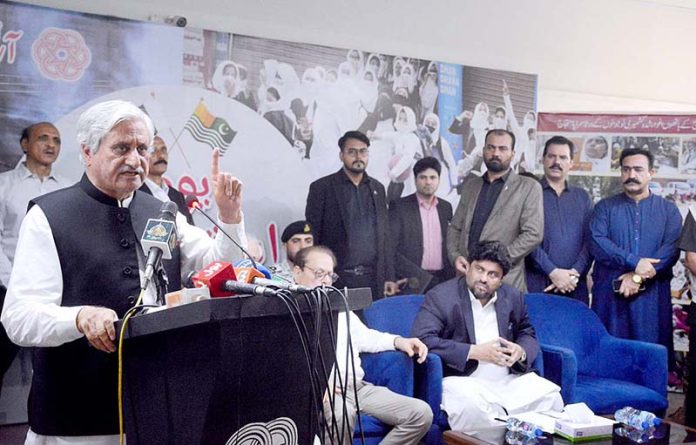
523	428
635	435
517	438
637	419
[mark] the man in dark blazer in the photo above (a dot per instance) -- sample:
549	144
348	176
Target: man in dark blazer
348	213
154	183
481	330
418	229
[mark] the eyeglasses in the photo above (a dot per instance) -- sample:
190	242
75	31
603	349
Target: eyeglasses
320	274
354	152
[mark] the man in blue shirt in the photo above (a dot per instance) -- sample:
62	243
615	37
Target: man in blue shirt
560	264
633	238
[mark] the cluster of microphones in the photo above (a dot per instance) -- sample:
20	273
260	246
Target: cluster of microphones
217	279
309	309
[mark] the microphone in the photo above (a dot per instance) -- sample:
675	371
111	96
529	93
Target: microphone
246	262
222	280
213	277
262	276
267	279
237	287
292	287
194	204
159	239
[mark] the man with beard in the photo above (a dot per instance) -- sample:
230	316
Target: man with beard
633	238
154	183
348	213
295	237
418	229
481	330
560	264
498	206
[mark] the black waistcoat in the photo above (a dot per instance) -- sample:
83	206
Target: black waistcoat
74	387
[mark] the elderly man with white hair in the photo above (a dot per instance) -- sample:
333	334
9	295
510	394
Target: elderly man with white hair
79	266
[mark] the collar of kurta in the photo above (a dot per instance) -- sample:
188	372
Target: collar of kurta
26	173
92	191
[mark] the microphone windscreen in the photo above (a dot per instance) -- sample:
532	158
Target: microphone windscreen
168	211
246	262
192	202
160	233
214	276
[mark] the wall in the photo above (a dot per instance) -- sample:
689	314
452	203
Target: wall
594	55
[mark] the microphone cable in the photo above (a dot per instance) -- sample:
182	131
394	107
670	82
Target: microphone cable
244	251
350	361
319	362
129	313
336	380
301	328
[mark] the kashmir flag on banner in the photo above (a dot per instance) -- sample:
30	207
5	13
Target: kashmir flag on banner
211	130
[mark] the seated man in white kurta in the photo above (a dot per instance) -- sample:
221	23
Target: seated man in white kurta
480	329
409	418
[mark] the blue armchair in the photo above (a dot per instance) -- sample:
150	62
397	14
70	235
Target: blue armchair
591	366
396	315
392	369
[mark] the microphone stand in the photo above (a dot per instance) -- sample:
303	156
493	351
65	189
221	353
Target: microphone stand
161	284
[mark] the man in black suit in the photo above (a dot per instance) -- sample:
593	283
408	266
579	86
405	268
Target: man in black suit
418	229
480	329
348	213
155	185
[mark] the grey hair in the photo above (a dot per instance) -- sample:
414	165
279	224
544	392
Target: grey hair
101	118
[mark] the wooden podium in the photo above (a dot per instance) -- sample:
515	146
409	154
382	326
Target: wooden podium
225	371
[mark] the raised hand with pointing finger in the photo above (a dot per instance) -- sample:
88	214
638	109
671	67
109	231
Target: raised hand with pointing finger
227	191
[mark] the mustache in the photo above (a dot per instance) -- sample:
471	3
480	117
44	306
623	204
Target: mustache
556	167
162	161
127	169
631	181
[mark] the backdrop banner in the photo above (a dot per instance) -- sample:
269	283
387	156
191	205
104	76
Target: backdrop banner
276	110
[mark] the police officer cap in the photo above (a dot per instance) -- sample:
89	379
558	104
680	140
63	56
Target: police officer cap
298	227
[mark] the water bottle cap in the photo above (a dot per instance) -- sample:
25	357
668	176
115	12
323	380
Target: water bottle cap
657	421
645	424
538	432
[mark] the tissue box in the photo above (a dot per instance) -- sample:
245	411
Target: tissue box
598	428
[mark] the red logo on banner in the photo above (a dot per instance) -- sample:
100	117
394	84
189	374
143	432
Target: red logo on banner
61	54
9	45
187	186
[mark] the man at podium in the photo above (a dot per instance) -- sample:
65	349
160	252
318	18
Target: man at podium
79	267
410	418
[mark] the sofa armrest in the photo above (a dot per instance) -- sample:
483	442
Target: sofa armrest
429	382
634	361
561	367
392	369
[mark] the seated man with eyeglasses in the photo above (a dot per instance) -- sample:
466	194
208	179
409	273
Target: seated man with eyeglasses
411	418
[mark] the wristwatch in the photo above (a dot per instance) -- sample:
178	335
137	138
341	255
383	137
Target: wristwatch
637	278
524	356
